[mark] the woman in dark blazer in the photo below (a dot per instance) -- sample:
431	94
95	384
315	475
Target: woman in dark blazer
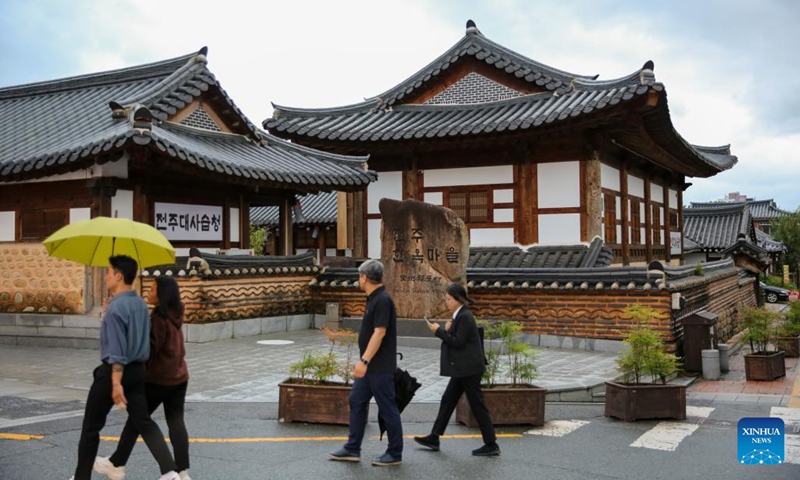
463	361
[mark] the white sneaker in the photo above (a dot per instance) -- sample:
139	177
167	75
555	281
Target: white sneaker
104	466
184	474
170	476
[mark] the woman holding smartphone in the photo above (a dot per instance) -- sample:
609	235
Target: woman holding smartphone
463	361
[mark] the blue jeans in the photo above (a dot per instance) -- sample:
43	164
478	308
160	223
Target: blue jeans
380	386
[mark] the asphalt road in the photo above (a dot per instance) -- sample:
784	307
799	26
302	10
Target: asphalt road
244	441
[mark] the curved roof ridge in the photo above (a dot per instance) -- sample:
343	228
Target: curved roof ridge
161	68
299	111
342	159
725	207
475	106
156	91
722	149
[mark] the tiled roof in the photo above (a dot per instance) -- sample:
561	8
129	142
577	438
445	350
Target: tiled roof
66	125
715	229
566	279
318	209
759	209
385	118
242	265
768	243
560	256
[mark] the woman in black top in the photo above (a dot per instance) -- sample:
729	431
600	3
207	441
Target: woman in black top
463	361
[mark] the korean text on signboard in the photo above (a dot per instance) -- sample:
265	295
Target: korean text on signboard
189	222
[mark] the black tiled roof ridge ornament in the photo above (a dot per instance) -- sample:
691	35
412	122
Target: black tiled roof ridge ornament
472	28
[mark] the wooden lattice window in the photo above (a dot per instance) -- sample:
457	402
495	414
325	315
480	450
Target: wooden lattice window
472	207
36	225
636	222
610	217
656	224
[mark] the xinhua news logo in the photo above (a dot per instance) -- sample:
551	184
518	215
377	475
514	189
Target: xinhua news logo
761	441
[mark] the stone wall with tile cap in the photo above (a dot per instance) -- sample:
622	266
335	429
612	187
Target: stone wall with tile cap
31	281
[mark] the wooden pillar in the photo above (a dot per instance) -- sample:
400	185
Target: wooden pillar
141	209
286	246
359	224
411	179
244	221
648	219
321	243
226	224
101	190
626	233
667	239
680	214
525	199
592	199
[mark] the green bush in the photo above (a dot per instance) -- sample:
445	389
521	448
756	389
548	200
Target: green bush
510	357
645	355
777	281
318	367
762	328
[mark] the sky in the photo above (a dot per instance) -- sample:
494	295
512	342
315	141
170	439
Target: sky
730	67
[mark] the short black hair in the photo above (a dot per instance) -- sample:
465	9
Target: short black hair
126	266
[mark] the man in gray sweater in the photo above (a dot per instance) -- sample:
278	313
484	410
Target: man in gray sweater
124	348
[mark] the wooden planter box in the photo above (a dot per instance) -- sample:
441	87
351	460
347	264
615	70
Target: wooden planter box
790	346
630	402
507	405
329	403
766	367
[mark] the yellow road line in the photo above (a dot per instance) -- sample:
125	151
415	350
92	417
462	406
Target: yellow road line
23	437
20	436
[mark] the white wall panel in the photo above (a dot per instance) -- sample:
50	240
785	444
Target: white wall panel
234	224
434	198
374	238
661	216
673	198
503	215
559	229
389	185
488	237
609	177
78	214
8	226
656	193
503	196
635	186
122	204
559	184
449	177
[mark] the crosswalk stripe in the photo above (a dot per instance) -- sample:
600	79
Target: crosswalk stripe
791	442
702	412
665	436
557	428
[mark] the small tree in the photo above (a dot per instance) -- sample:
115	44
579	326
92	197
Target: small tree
786	229
348	339
318	367
645	355
511	356
258	239
762	328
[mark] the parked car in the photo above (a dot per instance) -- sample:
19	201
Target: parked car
774	294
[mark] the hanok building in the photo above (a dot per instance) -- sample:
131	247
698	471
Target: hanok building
763	212
523	152
160	143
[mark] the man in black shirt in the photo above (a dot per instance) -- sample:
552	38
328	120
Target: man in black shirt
377	343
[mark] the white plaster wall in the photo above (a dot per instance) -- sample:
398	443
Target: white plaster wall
374	238
388	185
609	177
488	237
8	226
635	186
234	224
122	204
559	229
449	177
661	217
503	196
619	234
559	184
330	252
78	214
656	193
434	198
503	215
673	198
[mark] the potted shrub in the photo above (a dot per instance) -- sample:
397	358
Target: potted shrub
517	401
312	393
645	365
789	332
762	363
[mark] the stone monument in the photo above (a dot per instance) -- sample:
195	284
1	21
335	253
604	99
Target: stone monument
424	248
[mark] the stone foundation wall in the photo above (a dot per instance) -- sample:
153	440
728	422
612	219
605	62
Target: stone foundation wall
31	281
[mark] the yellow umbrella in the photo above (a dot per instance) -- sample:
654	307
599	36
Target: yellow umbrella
91	242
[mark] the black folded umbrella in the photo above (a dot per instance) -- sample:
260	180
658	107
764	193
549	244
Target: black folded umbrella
404	388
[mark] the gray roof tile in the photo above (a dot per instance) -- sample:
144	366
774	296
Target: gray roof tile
318	209
718	228
759	209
